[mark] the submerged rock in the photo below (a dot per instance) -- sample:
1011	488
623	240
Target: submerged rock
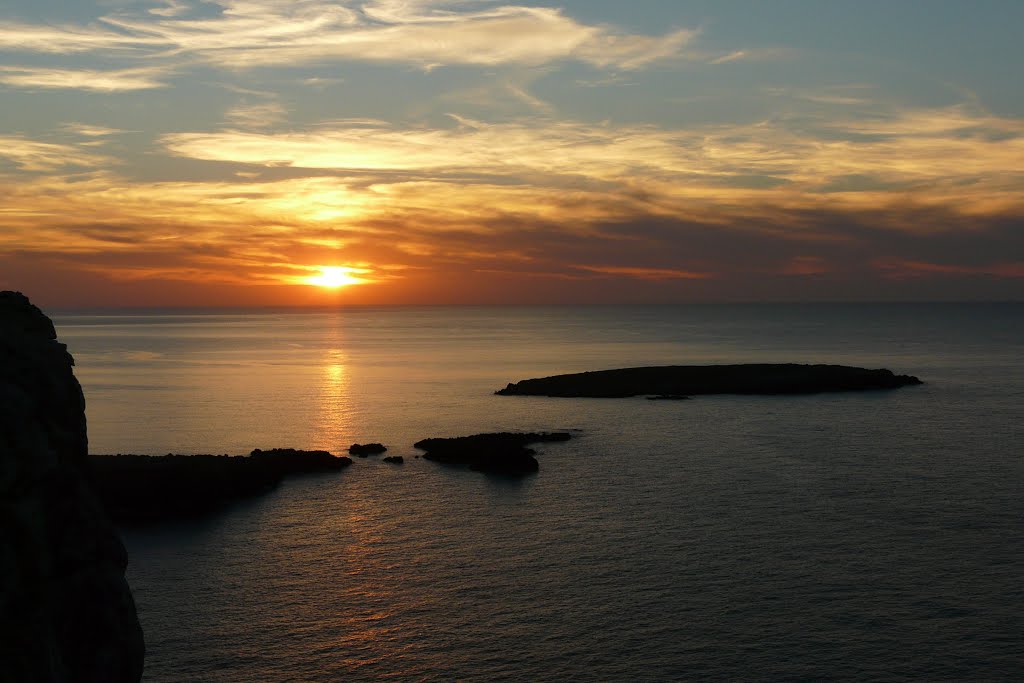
140	489
395	459
66	612
682	380
363	450
496	453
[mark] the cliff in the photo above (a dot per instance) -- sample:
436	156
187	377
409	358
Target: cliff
66	612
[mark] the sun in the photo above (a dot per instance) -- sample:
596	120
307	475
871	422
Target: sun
334	277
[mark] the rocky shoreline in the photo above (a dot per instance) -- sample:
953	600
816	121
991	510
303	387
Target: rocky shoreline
142	489
148	489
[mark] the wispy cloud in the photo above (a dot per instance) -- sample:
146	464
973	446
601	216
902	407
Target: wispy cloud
647	273
89	130
902	269
941	156
249	33
84	79
31	155
171	8
69	38
752	55
257	115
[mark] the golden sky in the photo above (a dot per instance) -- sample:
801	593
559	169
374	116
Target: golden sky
467	151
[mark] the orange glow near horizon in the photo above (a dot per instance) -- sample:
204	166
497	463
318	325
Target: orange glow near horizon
334	277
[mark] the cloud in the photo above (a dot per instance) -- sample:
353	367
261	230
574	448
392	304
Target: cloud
257	115
250	33
67	38
752	55
730	57
32	155
939	157
471	176
83	79
412	237
171	8
647	273
89	130
900	269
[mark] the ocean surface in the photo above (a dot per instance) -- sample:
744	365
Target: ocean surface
871	536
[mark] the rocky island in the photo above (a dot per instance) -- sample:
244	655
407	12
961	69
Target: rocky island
497	453
141	489
678	381
362	450
66	612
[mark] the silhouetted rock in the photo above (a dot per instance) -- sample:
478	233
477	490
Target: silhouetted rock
288	461
680	380
66	612
668	397
497	453
363	450
395	459
140	489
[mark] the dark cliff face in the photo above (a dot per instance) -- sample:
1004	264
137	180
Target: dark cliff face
66	612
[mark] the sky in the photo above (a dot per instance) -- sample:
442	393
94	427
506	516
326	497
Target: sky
249	152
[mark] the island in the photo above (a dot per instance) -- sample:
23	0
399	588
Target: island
362	450
677	381
505	453
143	489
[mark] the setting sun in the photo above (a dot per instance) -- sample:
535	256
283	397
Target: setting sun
333	277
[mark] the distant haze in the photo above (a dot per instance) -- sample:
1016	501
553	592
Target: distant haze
225	152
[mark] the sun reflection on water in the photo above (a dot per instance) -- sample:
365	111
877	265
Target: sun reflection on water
334	405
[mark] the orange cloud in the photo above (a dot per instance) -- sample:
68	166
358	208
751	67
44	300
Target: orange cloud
633	204
913	269
972	163
648	273
32	155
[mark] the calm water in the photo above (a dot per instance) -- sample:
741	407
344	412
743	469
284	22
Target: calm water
859	537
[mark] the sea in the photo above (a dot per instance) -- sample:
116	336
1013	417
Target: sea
871	536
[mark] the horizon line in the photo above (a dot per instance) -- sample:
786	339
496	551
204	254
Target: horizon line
590	304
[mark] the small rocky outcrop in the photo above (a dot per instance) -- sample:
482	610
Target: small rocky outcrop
496	453
143	489
66	612
363	450
395	459
691	380
289	461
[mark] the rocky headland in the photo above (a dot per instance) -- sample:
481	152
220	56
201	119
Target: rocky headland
66	612
142	489
679	381
506	453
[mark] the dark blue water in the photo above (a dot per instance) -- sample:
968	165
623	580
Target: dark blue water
851	537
